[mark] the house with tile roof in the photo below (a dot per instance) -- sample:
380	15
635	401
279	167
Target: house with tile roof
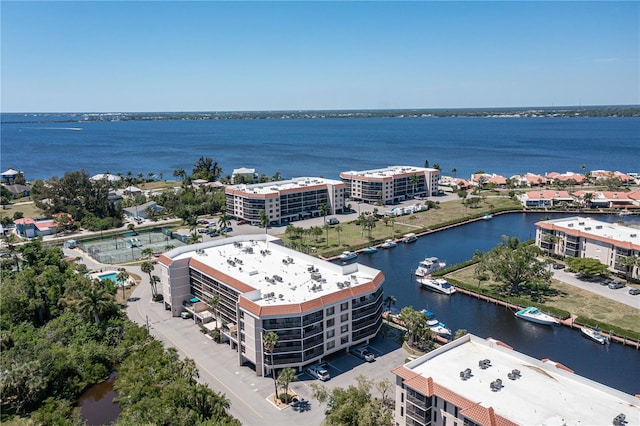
480	179
565	177
545	198
315	307
474	381
529	180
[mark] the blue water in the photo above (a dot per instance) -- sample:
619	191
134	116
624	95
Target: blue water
459	311
320	147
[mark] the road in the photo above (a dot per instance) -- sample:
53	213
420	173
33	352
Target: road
619	295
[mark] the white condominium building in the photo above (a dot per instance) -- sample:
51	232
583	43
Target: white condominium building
591	238
391	184
473	381
285	201
315	307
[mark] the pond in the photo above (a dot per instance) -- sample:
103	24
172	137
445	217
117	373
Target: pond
97	405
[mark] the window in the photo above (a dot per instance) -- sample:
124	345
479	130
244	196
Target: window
344	340
331	322
344	328
344	317
402	397
331	311
331	333
344	306
331	344
401	411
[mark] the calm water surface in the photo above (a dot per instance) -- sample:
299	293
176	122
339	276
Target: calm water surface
458	311
97	405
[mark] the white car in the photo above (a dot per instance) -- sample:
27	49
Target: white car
363	353
319	371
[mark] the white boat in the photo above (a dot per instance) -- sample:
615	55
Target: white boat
594	335
533	314
487	216
410	238
437	284
428	266
435	325
369	250
348	255
388	244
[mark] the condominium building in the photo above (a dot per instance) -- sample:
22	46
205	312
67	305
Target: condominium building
390	185
576	236
474	381
254	285
285	201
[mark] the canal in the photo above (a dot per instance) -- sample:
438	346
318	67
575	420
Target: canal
614	365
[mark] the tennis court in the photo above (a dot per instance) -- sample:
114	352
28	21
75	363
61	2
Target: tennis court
130	246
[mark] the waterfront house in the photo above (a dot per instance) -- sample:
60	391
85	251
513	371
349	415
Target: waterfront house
482	179
17	190
545	198
244	175
567	177
28	227
528	180
140	211
10	176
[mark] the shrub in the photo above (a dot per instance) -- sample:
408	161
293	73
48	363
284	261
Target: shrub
285	398
158	298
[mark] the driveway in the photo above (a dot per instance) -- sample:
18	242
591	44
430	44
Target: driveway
619	295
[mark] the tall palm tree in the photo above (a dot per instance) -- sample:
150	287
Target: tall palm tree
95	301
264	221
147	268
454	171
122	278
339	231
414	180
326	227
269	342
214	302
155	280
224	221
286	376
390	301
629	263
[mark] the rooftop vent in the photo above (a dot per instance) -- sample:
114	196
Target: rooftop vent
515	374
484	364
465	374
598	226
634	235
620	420
316	276
496	385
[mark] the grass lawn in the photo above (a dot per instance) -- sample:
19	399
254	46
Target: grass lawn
352	235
577	301
28	210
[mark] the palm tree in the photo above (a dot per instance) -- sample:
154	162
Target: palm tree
224	221
208	403
214	302
194	238
269	342
339	230
390	301
12	240
629	263
286	376
95	301
122	278
326	228
155	280
147	268
454	171
264	221
414	180
323	211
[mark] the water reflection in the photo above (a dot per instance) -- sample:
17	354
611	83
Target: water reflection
459	311
97	403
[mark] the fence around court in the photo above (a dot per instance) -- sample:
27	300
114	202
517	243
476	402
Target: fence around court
130	246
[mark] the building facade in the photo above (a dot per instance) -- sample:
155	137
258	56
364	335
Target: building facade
390	185
473	381
575	236
285	201
254	285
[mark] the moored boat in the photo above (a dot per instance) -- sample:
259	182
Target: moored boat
434	325
369	250
437	284
348	255
533	314
410	238
594	335
487	216
388	244
428	266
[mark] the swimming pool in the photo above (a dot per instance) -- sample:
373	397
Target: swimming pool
113	276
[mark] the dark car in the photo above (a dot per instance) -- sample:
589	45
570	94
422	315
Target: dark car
241	222
615	284
558	266
634	291
226	229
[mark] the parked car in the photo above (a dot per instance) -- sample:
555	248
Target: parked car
634	291
363	352
241	222
186	315
615	284
319	371
226	229
558	266
333	221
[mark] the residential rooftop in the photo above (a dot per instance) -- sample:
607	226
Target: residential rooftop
546	393
388	171
596	228
282	276
279	186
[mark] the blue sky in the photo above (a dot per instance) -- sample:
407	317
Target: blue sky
241	56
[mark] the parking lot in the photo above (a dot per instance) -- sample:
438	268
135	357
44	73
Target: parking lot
598	286
247	392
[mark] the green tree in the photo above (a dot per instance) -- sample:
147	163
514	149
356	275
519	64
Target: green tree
586	266
214	303
224	221
389	301
516	265
95	302
414	180
269	343
147	268
339	230
629	263
286	376
207	169
414	321
122	278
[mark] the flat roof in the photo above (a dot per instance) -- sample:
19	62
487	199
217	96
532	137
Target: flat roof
545	394
588	225
282	276
389	171
283	185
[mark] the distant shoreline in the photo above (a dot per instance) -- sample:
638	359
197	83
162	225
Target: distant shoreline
503	112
